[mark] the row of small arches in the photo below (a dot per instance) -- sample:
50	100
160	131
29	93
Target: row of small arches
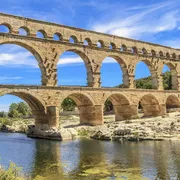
24	31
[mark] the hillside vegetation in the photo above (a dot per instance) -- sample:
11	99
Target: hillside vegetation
146	83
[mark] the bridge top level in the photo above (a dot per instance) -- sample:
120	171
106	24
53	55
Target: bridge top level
116	43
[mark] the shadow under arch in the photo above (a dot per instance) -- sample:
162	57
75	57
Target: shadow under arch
37	106
85	106
123	67
173	76
150	105
87	63
122	107
172	103
33	52
153	72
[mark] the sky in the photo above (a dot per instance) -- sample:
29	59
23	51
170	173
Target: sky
156	21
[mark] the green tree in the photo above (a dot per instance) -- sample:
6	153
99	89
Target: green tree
167	80
13	113
13	110
24	109
68	104
3	114
108	106
19	109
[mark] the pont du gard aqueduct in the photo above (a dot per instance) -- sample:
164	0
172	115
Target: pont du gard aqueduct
45	100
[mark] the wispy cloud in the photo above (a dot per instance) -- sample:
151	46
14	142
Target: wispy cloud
17	59
6	78
142	21
66	61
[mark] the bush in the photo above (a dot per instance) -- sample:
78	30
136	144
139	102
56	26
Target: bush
6	121
12	173
3	114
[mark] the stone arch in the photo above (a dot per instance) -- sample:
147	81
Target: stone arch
174	56
144	51
112	46
172	102
161	54
174	76
86	62
153	52
87	42
42	33
150	105
100	44
34	52
134	50
73	39
8	26
57	36
123	66
168	55
81	99
122	107
124	48
85	106
153	71
35	103
25	29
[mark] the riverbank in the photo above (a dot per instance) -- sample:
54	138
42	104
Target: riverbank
153	128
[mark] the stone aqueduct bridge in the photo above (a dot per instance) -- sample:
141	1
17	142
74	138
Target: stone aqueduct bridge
45	100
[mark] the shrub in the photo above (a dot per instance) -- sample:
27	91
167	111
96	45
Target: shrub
12	173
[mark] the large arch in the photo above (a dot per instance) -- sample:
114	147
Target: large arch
172	103
170	79
150	105
33	51
85	59
122	107
152	77
37	106
123	68
87	110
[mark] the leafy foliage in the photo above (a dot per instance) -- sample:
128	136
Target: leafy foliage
3	114
146	83
19	110
68	104
12	173
167	80
108	106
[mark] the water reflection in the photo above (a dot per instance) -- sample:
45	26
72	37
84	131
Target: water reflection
47	160
90	159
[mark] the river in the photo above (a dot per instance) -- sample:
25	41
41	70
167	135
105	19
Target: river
83	159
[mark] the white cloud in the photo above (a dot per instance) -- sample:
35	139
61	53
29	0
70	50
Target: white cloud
25	58
5	78
71	60
17	59
148	20
77	60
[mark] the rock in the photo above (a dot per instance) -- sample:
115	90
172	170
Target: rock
65	134
122	132
68	134
101	135
52	133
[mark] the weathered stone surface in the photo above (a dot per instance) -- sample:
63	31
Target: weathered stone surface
53	133
101	135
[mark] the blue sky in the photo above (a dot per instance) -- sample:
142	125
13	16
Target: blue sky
153	21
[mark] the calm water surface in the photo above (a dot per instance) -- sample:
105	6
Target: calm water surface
90	159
